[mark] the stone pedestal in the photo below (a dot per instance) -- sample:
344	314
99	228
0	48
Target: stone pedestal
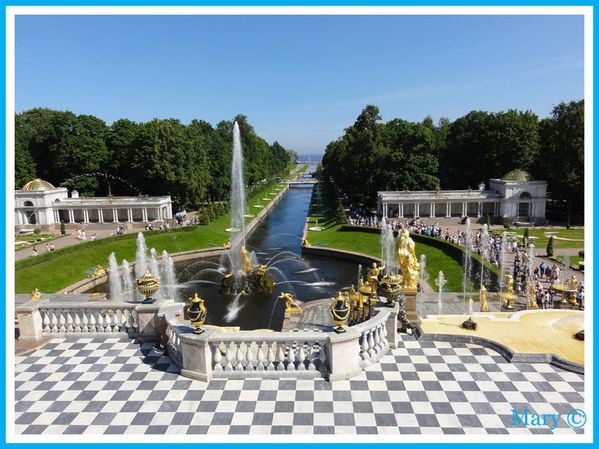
30	320
411	312
151	326
196	356
344	355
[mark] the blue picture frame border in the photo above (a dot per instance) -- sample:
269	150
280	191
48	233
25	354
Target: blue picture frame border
5	192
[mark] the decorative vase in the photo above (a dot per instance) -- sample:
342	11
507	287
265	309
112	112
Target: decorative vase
340	312
147	285
197	313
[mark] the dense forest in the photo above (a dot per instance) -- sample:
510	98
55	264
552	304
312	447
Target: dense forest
189	162
401	155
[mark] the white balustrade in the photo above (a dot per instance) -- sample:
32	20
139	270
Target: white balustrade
373	338
67	318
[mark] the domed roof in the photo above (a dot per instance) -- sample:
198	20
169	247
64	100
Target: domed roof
517	175
36	185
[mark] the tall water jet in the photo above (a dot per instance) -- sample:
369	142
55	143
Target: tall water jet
422	272
141	257
129	291
115	289
388	248
530	267
467	262
440	282
503	250
238	202
153	268
484	252
168	277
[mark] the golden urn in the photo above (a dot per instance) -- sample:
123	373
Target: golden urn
340	312
147	285
197	313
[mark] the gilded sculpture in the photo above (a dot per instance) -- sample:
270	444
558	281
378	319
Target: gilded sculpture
407	261
290	305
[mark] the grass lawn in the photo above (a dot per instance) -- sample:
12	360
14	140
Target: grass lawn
369	243
541	241
34	239
54	271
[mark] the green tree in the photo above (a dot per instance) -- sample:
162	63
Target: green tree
562	155
24	165
550	247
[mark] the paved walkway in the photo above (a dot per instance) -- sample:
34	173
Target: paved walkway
67	240
112	386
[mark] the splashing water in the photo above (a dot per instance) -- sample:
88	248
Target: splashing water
238	201
168	277
234	308
115	288
388	248
141	257
129	291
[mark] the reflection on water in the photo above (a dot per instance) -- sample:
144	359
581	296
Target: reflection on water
276	241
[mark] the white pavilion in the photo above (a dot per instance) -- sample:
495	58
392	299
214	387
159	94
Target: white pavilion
41	205
515	198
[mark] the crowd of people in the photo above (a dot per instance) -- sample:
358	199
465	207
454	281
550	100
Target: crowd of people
542	274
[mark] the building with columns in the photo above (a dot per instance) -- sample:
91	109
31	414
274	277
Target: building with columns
41	205
515	197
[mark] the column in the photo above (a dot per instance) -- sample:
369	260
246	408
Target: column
159	210
385	210
115	216
417	210
130	215
447	210
464	209
432	214
479	209
400	210
144	214
71	216
100	216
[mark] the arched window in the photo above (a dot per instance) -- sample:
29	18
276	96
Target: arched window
28	204
524	204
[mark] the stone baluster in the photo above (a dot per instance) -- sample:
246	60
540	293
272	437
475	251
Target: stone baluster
77	322
53	323
217	359
70	327
229	357
301	358
46	321
61	323
280	357
290	358
239	356
260	357
271	358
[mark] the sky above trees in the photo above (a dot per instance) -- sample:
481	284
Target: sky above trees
300	80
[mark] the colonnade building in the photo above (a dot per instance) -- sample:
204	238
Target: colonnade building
514	198
41	205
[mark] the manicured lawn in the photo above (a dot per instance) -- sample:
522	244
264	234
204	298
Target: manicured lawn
369	243
34	239
541	241
54	271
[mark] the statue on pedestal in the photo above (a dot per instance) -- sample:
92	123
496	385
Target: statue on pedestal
407	260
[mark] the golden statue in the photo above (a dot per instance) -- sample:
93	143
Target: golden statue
532	297
373	277
227	244
245	255
306	243
483	299
98	272
290	304
261	270
407	261
509	296
35	295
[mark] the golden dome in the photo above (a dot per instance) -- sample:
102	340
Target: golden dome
517	175
36	185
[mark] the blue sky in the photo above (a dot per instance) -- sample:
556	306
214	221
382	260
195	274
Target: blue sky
300	79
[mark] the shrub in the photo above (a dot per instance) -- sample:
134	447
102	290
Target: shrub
581	253
550	247
37	231
63	229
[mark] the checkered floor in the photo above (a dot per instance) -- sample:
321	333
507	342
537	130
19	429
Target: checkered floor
118	387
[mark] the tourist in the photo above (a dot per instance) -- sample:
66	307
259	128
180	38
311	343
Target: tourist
94	236
52	247
47	248
546	299
34	251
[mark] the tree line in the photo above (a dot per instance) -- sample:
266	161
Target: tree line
162	156
373	156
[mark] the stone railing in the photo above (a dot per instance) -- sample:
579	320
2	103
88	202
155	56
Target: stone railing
297	353
373	339
214	354
44	318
